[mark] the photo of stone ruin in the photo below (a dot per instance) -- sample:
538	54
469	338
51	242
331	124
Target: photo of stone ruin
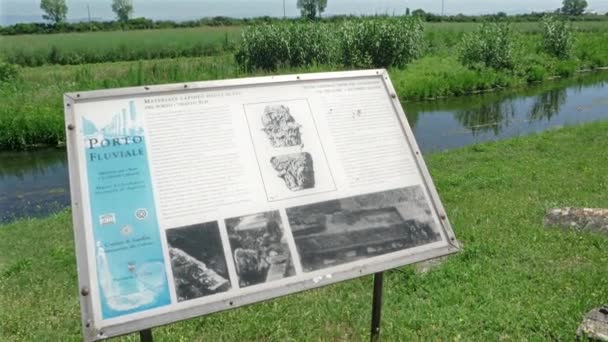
336	232
198	261
259	247
296	170
280	127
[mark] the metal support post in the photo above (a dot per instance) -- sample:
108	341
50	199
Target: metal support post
146	336
377	307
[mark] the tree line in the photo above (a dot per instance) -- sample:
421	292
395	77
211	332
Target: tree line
55	12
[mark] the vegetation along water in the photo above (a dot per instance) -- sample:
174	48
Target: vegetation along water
426	60
36	181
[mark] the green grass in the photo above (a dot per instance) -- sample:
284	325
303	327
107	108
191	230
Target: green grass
114	46
515	280
522	27
31	110
96	47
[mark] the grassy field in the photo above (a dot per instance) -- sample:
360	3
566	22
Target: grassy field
96	47
522	27
31	112
515	280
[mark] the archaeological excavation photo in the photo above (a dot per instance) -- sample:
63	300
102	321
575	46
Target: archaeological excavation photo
260	250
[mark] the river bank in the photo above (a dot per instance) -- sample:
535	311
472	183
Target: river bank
36	180
31	113
515	279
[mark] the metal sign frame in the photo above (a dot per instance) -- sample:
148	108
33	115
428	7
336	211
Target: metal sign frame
94	330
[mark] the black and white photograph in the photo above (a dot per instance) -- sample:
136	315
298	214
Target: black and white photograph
297	170
341	231
259	248
288	148
198	261
280	127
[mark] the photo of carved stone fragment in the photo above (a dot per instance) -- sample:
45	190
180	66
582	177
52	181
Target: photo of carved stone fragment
198	261
288	149
296	170
341	231
280	126
259	248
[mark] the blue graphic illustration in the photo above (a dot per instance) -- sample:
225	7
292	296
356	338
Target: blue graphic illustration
130	262
122	124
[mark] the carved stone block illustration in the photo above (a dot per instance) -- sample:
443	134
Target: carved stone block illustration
296	170
280	127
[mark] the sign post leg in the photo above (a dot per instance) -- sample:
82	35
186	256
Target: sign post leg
146	336
377	306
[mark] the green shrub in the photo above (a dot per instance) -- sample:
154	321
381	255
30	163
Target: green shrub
270	46
7	72
492	45
262	47
558	39
566	68
536	73
534	67
310	44
360	43
380	43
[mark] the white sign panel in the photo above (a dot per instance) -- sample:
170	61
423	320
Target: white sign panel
194	198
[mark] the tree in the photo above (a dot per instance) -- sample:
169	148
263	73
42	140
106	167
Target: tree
310	8
574	7
123	9
419	13
56	10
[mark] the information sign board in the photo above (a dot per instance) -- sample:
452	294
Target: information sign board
194	198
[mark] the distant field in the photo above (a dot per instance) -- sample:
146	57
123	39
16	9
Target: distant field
96	47
523	27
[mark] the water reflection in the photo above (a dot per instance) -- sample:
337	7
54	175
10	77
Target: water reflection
548	104
457	122
22	164
488	117
33	183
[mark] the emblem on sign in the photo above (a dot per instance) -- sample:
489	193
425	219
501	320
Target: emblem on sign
107	219
141	214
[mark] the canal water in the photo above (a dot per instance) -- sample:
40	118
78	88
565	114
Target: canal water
35	183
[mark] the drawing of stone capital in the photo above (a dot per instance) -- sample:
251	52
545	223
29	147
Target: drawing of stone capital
280	127
296	170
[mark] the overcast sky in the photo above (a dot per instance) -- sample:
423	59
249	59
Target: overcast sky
11	10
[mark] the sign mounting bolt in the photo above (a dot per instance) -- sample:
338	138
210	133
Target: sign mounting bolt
71	127
84	291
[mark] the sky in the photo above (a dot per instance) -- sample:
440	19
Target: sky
12	11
